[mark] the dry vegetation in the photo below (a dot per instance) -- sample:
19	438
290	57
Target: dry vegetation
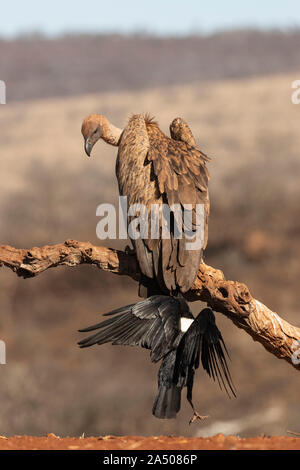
35	67
50	191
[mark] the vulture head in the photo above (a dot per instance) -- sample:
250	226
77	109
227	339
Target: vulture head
95	127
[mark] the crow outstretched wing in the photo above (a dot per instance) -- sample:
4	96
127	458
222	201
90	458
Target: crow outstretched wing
152	324
203	340
156	323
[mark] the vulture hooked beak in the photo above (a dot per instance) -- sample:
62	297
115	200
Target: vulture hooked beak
90	139
88	145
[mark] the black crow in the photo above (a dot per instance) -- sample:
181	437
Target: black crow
166	326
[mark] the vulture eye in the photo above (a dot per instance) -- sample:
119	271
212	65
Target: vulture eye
95	131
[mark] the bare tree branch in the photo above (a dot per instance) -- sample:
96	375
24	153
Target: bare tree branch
231	298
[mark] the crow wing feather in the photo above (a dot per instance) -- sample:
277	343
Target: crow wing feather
203	340
152	324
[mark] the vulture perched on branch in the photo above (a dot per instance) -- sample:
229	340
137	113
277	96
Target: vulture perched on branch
154	170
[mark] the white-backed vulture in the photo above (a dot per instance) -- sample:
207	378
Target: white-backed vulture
153	168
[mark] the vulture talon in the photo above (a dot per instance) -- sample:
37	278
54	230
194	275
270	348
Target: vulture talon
129	251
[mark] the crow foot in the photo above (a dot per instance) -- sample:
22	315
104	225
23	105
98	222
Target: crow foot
197	416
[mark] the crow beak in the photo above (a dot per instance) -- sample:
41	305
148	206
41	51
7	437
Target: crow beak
88	146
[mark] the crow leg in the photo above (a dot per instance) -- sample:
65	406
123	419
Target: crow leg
189	397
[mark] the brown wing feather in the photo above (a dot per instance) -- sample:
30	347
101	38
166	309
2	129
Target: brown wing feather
154	169
134	178
182	178
179	130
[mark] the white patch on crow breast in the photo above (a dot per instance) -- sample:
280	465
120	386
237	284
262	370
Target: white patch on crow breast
185	323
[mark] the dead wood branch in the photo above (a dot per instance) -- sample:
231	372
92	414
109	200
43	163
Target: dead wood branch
231	298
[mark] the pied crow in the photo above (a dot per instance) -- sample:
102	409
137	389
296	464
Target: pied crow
166	326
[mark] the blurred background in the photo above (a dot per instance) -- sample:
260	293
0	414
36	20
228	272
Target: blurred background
225	67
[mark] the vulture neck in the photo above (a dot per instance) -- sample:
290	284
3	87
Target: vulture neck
110	133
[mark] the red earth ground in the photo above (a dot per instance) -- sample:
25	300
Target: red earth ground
218	442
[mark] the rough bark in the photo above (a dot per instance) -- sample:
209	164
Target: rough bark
231	298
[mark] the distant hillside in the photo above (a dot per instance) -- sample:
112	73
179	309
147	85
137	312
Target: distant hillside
35	67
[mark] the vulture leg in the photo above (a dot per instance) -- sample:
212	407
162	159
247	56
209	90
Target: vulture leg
129	251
